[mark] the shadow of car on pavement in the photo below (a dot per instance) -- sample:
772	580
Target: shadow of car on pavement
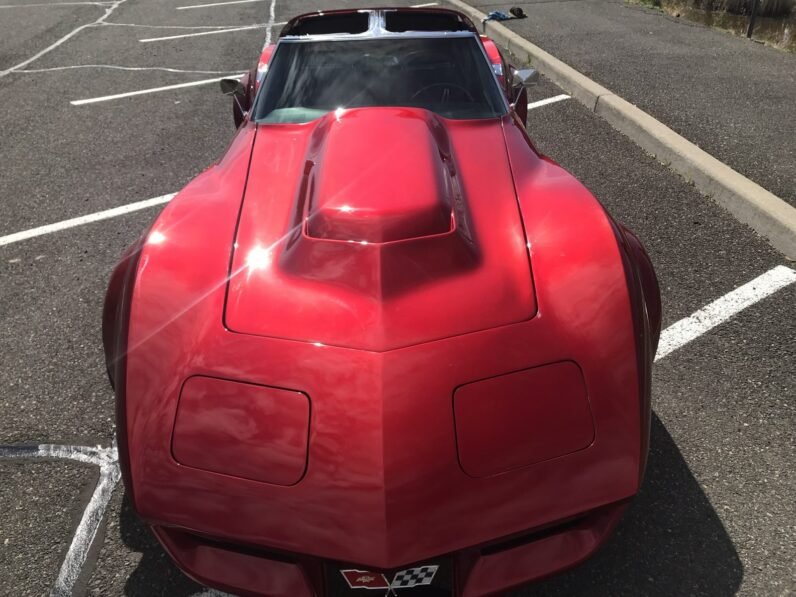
156	575
670	541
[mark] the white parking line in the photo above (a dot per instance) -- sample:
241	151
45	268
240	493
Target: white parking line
427	4
271	18
722	309
168	26
106	98
125	68
95	217
56	4
218	4
214	32
549	100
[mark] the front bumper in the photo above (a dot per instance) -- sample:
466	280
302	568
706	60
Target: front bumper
485	570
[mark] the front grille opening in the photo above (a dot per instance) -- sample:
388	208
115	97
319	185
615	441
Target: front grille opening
258	552
526	538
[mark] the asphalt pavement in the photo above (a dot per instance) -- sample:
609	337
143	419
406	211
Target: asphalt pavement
41	506
734	98
716	514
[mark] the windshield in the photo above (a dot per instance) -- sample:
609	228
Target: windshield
449	76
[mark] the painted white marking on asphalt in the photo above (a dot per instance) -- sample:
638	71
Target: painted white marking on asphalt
215	32
271	19
108	461
95	217
55	4
549	100
86	531
106	98
424	5
127	68
722	309
169	26
108	11
218	4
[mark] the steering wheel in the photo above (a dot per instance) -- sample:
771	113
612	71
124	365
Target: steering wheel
445	96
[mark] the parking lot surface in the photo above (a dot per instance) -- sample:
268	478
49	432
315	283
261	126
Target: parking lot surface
716	514
730	96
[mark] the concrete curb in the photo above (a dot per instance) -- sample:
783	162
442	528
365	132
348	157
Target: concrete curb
748	202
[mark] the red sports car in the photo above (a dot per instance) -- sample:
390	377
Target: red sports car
383	344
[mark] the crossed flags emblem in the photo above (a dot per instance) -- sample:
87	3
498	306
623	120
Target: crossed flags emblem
404	579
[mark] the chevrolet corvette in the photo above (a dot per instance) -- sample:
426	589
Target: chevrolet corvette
383	344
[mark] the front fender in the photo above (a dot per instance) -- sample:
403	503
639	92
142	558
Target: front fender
116	308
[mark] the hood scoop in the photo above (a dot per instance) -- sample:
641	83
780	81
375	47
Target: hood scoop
382	211
379	180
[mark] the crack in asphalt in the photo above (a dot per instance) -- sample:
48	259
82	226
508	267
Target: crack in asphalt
108	12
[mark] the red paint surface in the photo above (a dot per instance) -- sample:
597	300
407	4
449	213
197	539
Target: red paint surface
243	430
498	63
378	337
521	418
346	198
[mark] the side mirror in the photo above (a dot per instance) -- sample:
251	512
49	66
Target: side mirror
522	79
525	77
232	87
237	90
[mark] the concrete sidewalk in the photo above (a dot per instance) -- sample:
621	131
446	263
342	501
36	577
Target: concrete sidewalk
734	98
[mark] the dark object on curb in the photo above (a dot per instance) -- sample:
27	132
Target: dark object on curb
497	15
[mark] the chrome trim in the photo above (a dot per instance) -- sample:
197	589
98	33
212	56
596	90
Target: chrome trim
376	20
374	34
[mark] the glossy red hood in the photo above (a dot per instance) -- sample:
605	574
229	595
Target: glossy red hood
379	228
